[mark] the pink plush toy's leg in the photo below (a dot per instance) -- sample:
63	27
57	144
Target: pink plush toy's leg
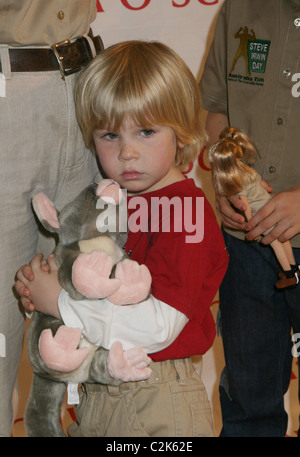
90	275
60	352
135	283
131	365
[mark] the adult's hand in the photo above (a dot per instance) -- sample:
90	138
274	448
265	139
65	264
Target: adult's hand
283	211
229	209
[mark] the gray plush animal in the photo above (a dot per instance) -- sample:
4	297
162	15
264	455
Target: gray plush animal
84	228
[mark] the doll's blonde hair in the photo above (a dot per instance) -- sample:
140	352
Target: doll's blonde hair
146	82
231	158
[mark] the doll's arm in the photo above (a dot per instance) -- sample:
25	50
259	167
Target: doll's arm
248	210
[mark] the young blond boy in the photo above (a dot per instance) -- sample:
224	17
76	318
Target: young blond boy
139	109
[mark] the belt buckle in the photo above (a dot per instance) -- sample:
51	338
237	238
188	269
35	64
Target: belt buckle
60	59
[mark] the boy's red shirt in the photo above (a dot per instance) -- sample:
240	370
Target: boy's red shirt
185	275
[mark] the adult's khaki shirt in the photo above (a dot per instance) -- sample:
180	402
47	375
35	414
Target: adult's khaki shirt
252	75
44	22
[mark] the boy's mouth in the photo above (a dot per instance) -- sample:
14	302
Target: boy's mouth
131	175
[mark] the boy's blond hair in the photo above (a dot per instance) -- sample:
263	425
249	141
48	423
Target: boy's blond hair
146	82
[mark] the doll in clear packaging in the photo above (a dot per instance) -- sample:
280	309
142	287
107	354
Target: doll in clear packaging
231	158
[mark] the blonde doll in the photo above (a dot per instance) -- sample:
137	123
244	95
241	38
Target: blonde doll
231	158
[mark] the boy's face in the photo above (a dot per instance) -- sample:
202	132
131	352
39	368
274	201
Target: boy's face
139	159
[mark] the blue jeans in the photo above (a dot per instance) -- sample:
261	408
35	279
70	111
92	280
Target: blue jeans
255	322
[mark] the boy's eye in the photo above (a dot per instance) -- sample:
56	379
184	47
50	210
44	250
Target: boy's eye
110	135
147	132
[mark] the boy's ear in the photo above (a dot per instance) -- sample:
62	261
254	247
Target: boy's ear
180	144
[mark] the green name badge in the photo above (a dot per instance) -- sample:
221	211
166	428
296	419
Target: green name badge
258	51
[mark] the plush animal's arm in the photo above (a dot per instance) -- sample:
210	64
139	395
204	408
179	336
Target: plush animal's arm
119	366
131	284
38	323
66	256
69	358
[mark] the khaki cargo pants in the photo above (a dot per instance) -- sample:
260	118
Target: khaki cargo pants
172	403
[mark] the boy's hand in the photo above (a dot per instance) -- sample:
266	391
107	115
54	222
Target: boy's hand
42	289
22	284
283	210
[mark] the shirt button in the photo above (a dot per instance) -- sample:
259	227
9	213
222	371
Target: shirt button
279	120
272	169
61	15
297	22
287	72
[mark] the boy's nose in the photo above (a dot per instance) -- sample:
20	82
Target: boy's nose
128	151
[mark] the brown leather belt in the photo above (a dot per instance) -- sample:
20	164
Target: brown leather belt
65	56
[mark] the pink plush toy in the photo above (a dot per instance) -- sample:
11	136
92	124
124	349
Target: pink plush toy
92	265
88	267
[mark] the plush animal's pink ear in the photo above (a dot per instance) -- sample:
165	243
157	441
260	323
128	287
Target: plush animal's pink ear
46	212
109	191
